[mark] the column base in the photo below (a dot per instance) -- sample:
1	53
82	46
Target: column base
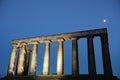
62	77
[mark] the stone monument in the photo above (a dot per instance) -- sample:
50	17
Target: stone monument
25	72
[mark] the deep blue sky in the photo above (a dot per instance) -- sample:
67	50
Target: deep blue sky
30	18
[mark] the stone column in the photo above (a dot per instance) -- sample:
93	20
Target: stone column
21	60
75	64
27	58
106	55
34	59
12	60
91	57
60	57
46	62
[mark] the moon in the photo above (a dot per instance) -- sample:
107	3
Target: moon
104	20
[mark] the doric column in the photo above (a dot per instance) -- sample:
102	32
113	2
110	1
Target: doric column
27	58
34	59
46	58
21	60
91	57
12	60
60	57
106	55
75	65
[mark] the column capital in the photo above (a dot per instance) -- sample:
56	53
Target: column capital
27	49
105	34
90	36
21	44
35	42
47	41
74	38
15	44
60	39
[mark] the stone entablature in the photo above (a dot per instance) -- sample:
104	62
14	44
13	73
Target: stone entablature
65	36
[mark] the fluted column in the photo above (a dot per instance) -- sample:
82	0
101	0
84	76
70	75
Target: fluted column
60	57
75	65
27	58
91	57
106	55
12	60
46	62
21	60
34	59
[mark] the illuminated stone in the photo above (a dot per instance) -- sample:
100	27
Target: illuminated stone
46	58
21	59
12	60
34	59
60	60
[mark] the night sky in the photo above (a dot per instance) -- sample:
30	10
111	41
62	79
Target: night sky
31	18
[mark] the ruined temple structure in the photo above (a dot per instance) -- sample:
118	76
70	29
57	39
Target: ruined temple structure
23	71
